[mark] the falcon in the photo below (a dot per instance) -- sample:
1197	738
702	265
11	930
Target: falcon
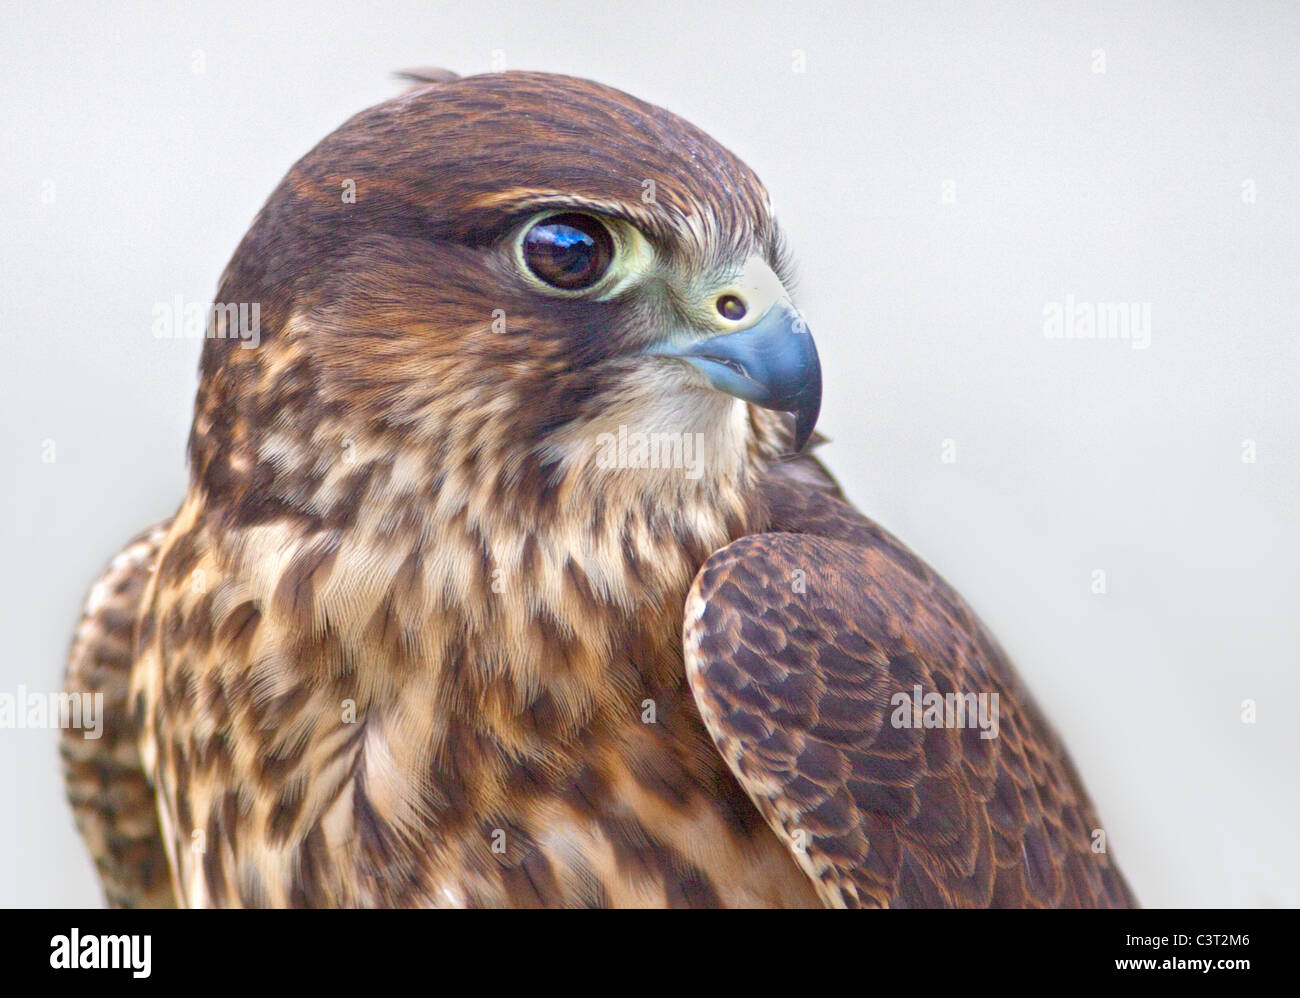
505	575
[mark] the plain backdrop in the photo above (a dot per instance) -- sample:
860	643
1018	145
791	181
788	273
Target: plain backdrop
945	173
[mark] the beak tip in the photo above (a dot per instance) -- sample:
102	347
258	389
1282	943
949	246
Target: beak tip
805	415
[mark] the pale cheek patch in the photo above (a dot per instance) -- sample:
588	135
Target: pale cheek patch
687	430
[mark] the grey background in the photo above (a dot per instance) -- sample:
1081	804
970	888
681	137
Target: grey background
1117	186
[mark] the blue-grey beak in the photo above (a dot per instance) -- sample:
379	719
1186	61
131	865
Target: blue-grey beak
773	364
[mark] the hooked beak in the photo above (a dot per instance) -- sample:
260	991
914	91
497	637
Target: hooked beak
772	364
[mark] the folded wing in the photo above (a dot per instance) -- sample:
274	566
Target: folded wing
807	648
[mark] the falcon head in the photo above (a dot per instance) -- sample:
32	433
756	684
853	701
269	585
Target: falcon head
498	272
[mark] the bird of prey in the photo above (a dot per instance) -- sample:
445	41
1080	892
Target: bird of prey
505	575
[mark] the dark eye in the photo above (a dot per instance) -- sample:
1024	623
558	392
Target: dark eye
569	251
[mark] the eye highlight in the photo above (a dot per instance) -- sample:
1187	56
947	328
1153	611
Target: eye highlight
569	251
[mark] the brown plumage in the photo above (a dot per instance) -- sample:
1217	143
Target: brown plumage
412	640
111	798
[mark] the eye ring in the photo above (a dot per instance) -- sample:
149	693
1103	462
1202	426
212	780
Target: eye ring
568	250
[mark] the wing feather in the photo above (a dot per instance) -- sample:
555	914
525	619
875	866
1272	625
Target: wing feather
798	642
112	799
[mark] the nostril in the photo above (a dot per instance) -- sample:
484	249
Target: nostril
730	307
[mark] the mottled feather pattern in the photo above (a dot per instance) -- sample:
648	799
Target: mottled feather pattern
111	798
271	798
